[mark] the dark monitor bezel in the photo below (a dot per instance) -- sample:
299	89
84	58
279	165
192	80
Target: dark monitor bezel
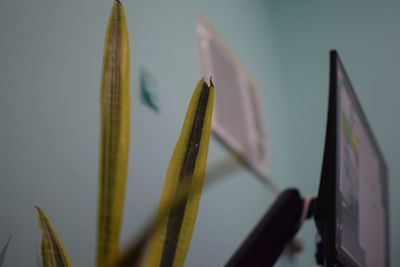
325	215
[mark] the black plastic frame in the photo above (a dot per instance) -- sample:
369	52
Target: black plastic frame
325	215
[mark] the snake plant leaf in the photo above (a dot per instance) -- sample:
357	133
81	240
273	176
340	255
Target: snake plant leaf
114	139
4	251
170	240
53	252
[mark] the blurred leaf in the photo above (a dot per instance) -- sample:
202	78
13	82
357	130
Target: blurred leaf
114	144
53	252
133	255
4	251
148	90
171	237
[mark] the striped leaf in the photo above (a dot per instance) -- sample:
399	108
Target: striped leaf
53	252
114	143
177	211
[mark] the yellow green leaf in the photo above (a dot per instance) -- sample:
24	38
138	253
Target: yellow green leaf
171	237
114	140
53	252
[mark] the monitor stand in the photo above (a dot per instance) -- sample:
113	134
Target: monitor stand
275	230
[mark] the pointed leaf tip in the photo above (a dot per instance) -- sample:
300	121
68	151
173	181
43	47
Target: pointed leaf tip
53	252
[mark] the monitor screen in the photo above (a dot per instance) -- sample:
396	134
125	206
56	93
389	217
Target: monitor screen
352	208
361	206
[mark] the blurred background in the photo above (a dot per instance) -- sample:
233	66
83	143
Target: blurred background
50	68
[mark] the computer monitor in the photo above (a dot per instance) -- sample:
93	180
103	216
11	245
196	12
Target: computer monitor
352	205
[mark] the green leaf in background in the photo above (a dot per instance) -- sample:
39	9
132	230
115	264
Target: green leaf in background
4	251
114	139
148	90
53	252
